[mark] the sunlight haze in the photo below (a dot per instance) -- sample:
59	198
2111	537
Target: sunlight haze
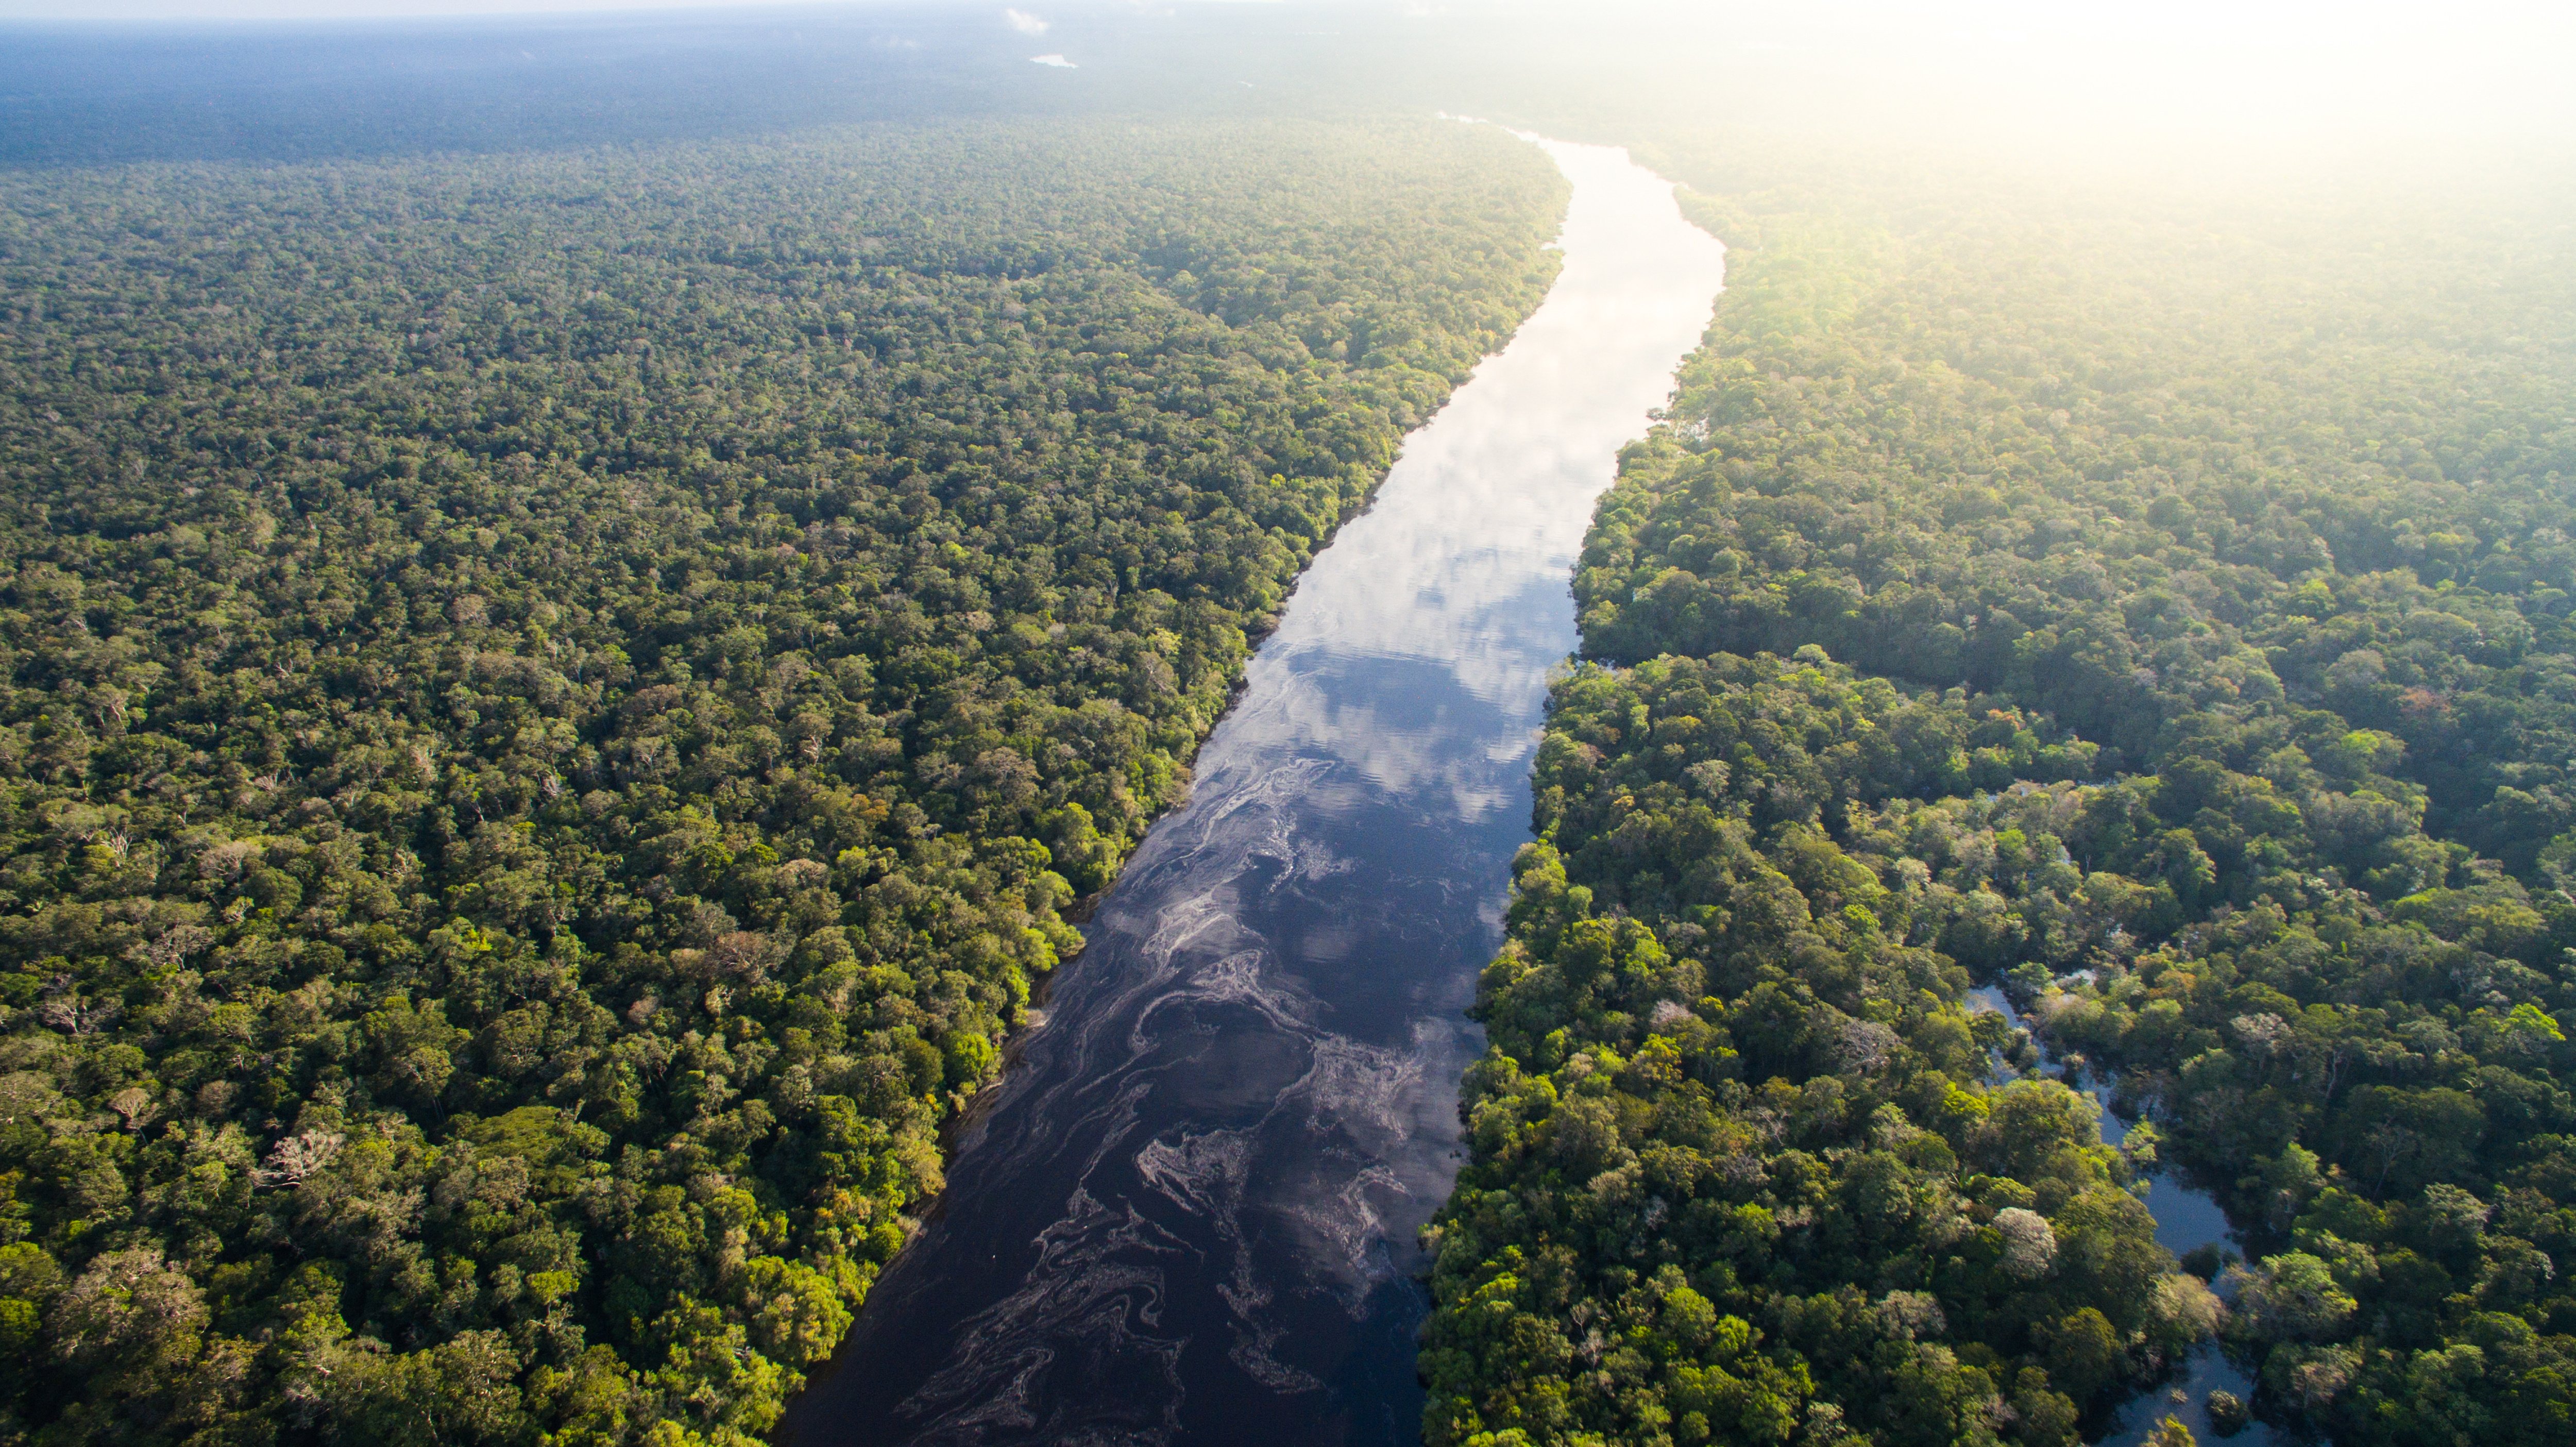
1256	723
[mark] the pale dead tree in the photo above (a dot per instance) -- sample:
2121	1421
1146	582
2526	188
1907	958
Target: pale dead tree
1863	1046
73	1015
1911	1315
133	1105
741	955
2030	1245
297	1157
177	944
228	861
2264	1034
2322	1378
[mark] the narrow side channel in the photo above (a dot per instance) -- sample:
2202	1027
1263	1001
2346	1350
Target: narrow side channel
1190	1211
2188	1219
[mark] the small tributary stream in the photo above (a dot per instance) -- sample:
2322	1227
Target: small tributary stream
2187	1219
1190	1210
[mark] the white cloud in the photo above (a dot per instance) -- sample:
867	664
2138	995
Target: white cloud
1058	61
1025	23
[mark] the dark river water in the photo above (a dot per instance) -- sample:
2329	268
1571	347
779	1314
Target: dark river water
1189	1211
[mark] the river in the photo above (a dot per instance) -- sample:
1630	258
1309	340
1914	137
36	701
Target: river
1190	1208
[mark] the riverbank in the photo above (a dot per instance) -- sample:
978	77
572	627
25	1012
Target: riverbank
1193	1207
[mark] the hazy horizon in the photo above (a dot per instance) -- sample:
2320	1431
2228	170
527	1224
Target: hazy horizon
597	595
2024	73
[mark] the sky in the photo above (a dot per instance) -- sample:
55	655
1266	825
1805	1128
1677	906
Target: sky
220	10
2213	24
2233	68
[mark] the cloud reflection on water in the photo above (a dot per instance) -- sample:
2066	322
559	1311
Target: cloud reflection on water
1193	1202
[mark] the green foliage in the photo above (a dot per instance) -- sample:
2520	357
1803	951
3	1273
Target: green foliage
552	711
2203	576
2153	479
1739	1170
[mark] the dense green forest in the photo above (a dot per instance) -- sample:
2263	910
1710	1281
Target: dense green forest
553	710
2157	603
